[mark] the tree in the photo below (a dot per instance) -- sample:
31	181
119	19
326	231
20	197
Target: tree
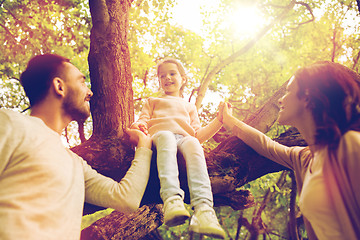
108	151
229	157
112	105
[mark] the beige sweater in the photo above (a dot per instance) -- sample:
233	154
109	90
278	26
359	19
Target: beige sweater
329	191
43	185
174	114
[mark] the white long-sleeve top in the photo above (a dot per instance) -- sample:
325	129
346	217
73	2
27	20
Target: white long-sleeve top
329	193
43	185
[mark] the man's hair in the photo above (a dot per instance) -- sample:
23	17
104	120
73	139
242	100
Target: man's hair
39	73
333	92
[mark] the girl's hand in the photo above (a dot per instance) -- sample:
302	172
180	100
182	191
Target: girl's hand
139	138
219	114
140	126
227	112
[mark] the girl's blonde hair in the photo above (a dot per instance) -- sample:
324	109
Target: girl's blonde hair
180	68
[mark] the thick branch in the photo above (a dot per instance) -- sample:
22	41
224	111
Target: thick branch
99	15
122	226
110	69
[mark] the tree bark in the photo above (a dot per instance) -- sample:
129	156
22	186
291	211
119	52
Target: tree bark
110	69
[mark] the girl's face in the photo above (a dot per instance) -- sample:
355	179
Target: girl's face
170	79
292	108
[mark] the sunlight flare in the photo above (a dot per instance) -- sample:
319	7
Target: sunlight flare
245	21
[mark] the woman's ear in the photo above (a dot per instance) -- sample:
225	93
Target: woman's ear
307	98
59	86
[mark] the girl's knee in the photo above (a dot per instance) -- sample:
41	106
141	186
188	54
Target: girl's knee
191	140
190	144
163	135
166	137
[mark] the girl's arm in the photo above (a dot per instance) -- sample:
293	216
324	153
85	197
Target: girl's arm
207	132
141	123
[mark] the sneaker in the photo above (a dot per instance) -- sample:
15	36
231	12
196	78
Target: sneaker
175	212
204	221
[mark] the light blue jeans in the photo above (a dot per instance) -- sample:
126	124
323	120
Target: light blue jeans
167	144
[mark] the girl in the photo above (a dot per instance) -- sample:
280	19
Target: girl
174	125
323	102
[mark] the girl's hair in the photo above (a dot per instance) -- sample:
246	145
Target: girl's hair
333	94
180	68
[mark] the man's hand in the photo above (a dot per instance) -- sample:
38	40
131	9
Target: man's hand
139	138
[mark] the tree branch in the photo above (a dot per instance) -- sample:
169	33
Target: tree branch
243	50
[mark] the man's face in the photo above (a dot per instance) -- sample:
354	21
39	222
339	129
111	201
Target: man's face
77	97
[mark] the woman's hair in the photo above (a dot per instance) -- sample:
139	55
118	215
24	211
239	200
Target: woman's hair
37	77
333	95
180	68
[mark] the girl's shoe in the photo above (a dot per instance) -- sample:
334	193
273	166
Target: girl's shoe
174	211
204	221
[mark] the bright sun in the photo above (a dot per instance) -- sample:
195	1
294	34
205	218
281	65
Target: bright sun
245	21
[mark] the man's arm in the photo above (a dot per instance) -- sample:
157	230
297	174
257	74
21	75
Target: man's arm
126	195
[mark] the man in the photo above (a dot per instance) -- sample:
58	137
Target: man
43	185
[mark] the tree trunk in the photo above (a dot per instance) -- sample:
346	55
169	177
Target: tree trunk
110	69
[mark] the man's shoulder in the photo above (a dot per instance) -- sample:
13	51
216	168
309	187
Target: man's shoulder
21	123
8	114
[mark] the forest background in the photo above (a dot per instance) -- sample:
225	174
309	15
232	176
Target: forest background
238	50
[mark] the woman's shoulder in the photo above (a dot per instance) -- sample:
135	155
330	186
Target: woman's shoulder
351	137
349	145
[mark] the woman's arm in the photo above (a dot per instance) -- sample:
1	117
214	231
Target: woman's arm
262	144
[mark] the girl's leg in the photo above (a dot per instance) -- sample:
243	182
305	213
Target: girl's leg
204	220
197	173
170	191
166	148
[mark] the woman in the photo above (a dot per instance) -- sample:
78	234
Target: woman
323	102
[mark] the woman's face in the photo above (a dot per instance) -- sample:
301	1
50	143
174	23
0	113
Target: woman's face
291	107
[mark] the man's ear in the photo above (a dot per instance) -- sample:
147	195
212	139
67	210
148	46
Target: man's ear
59	86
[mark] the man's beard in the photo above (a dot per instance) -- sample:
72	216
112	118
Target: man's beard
75	111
